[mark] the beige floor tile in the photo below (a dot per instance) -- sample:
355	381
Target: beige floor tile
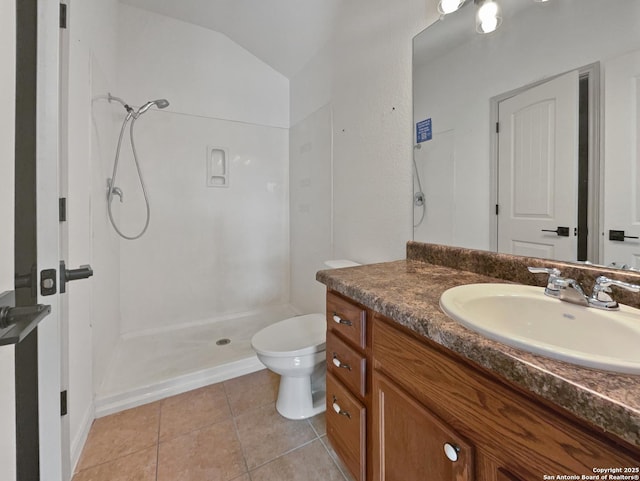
318	423
209	454
193	410
252	390
123	433
265	434
308	463
139	466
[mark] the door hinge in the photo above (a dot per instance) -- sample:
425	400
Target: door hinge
497	127
63	15
62	209
63	403
497	209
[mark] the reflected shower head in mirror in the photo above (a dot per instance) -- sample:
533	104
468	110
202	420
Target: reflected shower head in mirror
160	103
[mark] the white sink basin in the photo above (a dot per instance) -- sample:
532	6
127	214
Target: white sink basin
523	317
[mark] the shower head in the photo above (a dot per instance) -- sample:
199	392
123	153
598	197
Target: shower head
160	103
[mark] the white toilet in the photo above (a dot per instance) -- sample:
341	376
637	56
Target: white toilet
296	350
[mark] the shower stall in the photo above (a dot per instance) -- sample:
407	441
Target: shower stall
202	265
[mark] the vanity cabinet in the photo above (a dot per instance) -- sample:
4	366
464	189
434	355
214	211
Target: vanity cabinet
348	382
499	433
403	408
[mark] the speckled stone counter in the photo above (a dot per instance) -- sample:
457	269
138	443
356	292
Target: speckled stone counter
408	292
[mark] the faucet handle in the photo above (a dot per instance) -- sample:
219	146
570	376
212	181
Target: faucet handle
554	277
552	271
600	297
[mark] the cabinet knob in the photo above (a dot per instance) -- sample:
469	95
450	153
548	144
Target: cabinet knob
338	363
339	320
339	410
451	451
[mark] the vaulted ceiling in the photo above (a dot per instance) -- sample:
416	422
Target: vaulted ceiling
285	34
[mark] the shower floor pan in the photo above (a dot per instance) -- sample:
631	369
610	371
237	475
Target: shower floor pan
152	366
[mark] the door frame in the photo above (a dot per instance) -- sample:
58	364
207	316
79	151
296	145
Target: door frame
47	208
594	204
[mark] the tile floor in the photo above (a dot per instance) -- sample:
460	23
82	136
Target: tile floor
226	431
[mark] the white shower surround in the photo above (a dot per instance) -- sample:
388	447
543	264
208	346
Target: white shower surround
214	262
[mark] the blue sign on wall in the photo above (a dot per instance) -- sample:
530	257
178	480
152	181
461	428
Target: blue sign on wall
423	130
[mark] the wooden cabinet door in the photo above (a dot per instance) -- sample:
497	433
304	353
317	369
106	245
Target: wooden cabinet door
409	441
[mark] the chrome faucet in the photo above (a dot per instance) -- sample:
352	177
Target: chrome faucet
568	290
601	299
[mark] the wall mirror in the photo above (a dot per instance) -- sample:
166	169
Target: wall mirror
527	140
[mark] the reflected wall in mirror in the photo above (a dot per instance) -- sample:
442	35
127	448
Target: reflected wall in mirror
560	178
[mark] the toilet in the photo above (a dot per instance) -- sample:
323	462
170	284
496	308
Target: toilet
295	348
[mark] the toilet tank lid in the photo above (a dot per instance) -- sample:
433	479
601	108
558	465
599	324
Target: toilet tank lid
339	263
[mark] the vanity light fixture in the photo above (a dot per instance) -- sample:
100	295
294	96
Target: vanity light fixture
488	17
449	6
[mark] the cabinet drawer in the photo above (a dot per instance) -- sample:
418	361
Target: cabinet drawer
346	364
346	426
346	318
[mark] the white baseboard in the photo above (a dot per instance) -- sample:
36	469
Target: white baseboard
136	397
79	440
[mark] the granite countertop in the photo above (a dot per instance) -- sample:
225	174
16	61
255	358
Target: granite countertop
408	292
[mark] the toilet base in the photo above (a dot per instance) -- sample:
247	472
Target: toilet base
297	400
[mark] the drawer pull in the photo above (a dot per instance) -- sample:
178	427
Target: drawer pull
451	451
338	409
339	320
339	363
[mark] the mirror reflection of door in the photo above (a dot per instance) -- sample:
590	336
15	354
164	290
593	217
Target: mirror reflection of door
538	170
622	154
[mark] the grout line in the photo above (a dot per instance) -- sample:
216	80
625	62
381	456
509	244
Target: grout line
313	427
285	453
335	462
235	427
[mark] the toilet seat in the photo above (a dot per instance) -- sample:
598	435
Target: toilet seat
295	336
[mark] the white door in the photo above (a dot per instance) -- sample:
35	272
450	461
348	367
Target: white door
621	157
538	170
7	128
47	226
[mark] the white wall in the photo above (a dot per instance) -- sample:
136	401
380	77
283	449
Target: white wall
364	73
93	304
208	251
200	71
455	90
310	207
7	129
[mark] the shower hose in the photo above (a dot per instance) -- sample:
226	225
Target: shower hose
113	180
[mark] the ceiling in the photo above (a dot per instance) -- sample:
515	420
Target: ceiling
285	34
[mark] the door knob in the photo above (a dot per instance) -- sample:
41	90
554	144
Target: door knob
561	231
66	275
618	235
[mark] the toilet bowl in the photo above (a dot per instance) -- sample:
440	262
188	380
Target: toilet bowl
295	349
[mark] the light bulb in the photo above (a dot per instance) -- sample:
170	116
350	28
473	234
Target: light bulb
487	11
449	6
488	17
489	25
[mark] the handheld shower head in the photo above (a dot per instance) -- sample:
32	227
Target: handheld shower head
160	103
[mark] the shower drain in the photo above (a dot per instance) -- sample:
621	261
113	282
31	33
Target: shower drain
223	342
